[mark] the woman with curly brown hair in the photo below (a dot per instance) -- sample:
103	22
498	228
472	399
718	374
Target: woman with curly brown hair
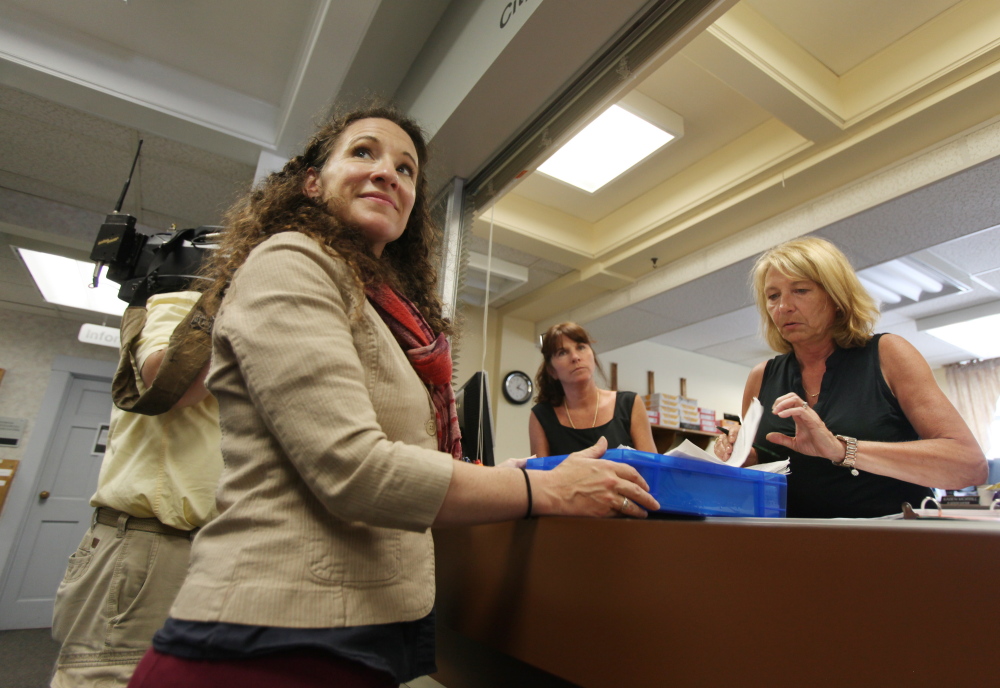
333	376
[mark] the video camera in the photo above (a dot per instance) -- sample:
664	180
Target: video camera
144	264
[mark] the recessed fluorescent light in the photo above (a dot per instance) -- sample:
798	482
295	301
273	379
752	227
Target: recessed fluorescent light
908	280
66	282
978	336
611	144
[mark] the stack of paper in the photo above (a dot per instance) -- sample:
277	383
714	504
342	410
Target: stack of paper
741	450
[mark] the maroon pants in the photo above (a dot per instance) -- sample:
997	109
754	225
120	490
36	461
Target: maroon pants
302	669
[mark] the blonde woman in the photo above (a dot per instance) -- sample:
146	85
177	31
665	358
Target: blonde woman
860	416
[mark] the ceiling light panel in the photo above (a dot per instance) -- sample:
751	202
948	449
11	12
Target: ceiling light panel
907	280
978	336
604	149
66	282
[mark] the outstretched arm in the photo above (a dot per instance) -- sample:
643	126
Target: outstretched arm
582	485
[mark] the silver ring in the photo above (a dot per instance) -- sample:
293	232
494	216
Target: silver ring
805	404
624	504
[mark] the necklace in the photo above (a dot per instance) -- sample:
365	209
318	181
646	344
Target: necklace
593	423
812	395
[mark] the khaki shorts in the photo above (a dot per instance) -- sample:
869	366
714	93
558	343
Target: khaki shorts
116	594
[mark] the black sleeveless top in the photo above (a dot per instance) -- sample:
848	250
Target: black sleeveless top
855	401
566	440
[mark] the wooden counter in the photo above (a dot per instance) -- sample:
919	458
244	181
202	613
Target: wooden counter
718	603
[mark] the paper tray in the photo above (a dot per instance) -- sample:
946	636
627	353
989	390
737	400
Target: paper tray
687	486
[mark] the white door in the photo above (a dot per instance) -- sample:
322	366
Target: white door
61	512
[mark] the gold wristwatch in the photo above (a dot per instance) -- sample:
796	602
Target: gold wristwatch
850	456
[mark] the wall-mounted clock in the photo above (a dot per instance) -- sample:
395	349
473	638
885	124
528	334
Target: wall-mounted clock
517	387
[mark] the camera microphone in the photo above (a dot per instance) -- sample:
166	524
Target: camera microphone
145	265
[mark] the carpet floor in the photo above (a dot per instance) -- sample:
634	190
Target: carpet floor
28	657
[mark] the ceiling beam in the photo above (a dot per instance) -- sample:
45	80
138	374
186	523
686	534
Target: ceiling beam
86	73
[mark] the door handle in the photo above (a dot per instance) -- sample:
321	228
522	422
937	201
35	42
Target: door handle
44	494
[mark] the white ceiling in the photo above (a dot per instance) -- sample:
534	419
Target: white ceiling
820	28
872	123
230	27
828	117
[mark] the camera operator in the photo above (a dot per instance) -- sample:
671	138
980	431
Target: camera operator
156	488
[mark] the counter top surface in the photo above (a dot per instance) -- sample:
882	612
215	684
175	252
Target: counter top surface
953	523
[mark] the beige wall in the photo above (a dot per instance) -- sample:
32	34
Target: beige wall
467	344
510	346
517	352
714	383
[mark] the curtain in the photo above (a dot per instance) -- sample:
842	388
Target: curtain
974	388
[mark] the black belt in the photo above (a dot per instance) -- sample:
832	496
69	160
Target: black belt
109	517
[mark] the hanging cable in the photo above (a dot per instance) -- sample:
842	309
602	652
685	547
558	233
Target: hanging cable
486	318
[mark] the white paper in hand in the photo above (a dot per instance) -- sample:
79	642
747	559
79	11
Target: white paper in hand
689	450
741	450
744	441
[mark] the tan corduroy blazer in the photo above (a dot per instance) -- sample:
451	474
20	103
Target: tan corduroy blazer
332	477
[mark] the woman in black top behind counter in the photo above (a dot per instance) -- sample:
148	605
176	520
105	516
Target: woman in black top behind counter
572	411
860	417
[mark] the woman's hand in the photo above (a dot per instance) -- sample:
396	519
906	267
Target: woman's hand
724	443
585	485
812	437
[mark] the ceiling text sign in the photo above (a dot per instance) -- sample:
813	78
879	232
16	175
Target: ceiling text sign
100	335
509	10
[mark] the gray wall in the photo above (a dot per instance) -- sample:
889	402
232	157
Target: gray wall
29	345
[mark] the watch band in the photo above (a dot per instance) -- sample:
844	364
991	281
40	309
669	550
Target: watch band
850	454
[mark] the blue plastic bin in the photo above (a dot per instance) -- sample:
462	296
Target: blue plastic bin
687	486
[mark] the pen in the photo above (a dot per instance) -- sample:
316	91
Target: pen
722	430
762	450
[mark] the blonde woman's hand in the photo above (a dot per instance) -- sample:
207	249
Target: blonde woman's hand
724	443
812	437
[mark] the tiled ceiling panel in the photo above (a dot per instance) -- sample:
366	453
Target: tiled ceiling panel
991	278
712	331
953	207
748	351
976	254
717	293
633	324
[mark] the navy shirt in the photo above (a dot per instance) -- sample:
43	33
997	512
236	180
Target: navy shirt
404	650
855	401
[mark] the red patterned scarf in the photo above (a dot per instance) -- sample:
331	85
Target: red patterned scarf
430	357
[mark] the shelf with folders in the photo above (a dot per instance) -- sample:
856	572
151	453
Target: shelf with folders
666	438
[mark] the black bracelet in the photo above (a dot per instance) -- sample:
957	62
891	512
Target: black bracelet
527	482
